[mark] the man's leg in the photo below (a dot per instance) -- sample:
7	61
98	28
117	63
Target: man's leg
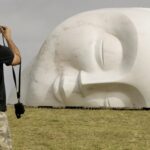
5	137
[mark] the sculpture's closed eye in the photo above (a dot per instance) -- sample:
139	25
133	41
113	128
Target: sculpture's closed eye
108	53
99	53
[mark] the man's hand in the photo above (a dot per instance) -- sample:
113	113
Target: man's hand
6	32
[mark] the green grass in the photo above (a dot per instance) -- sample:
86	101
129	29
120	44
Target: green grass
74	129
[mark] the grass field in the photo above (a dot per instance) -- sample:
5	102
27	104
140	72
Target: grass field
75	129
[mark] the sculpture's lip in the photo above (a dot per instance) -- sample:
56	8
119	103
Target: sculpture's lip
56	89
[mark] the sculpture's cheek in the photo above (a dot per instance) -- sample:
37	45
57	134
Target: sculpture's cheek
76	48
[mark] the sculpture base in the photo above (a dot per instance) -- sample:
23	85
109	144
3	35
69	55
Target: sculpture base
92	108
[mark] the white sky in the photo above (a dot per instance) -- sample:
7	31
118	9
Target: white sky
32	20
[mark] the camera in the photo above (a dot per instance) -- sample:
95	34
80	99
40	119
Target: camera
2	27
19	109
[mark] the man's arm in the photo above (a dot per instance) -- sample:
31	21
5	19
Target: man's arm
7	35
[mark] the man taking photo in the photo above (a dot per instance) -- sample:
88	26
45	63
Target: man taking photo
9	56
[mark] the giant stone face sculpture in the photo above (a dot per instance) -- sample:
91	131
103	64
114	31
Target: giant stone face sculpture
98	58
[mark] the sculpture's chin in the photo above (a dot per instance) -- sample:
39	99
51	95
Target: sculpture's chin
108	102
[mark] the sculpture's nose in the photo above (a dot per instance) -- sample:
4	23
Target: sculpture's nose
100	78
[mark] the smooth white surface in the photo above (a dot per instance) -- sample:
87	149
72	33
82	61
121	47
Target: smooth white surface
31	22
97	58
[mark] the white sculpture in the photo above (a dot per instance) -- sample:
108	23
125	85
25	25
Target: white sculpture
99	58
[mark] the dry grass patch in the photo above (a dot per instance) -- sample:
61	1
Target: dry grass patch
74	129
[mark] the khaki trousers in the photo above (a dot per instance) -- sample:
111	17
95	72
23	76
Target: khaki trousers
5	136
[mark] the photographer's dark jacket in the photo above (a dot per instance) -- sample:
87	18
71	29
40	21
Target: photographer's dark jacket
6	57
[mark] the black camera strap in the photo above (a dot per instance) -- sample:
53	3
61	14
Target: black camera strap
19	81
